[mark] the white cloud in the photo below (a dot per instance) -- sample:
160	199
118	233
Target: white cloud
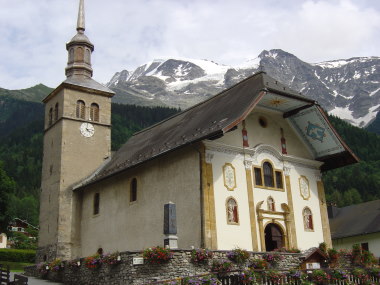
129	33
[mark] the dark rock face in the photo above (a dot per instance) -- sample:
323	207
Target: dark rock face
351	86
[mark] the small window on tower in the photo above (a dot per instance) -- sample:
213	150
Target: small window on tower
133	189
80	109
56	112
50	116
96	203
94	114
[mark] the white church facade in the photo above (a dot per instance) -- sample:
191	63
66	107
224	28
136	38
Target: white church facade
243	169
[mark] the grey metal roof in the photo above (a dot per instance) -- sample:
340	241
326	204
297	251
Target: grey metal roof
356	220
206	120
87	82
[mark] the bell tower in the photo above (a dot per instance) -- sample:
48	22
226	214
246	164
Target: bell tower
77	140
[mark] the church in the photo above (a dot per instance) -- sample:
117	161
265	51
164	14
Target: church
243	169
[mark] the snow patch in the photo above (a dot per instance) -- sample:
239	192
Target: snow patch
346	114
251	63
374	92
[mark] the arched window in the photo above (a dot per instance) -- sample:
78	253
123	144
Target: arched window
271	204
307	219
81	107
94	112
232	211
268	174
56	112
96	203
50	116
133	190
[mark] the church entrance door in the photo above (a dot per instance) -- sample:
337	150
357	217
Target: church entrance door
274	237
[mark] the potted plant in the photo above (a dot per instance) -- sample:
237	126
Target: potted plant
93	261
157	255
238	255
200	255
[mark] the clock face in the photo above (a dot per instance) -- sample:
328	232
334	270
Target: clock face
304	187
87	130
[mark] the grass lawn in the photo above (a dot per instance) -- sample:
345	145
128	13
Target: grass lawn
15	266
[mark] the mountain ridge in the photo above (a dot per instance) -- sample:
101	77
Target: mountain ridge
348	88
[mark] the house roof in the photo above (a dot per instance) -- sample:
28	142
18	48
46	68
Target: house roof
220	114
356	220
311	251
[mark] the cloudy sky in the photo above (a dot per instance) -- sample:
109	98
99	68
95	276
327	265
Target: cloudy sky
128	33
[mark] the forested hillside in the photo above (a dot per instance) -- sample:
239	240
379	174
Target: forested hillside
359	182
21	134
21	152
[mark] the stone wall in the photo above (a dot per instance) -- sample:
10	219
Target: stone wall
127	273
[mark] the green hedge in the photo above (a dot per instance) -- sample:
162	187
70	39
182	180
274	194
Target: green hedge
18	255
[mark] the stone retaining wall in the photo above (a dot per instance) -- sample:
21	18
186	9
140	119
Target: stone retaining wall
127	273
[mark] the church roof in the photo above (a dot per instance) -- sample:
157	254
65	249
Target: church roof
220	114
356	220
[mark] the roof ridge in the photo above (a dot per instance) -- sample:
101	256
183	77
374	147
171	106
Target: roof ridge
200	103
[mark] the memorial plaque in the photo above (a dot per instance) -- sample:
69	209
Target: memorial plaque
138	260
170	219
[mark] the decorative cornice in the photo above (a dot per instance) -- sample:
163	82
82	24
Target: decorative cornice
251	154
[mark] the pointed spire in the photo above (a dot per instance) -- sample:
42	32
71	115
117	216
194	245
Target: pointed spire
81	22
80	49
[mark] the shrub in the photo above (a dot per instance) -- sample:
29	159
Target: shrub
221	266
18	255
93	261
338	275
273	258
274	276
112	258
238	255
323	247
368	259
157	255
375	272
200	255
319	276
259	263
360	273
55	265
250	277
333	253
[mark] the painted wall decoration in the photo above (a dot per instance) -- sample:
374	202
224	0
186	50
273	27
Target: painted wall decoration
229	176
232	211
307	219
304	187
315	131
318	135
271	204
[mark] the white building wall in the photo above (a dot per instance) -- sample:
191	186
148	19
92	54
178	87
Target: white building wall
231	235
373	241
305	238
264	144
3	240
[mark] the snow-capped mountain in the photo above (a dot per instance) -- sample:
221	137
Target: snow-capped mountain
349	89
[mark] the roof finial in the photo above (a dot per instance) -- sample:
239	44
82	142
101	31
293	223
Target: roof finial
80	23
